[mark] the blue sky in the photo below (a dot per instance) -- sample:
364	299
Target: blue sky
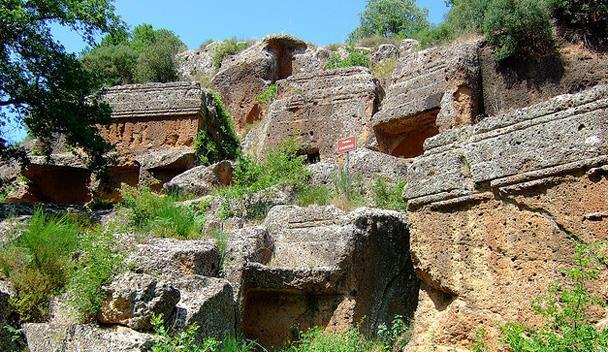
321	22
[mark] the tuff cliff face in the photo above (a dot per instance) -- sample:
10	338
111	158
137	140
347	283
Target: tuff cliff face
494	209
505	170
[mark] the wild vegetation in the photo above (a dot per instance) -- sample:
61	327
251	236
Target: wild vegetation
519	29
142	55
224	144
268	95
227	48
354	58
159	215
54	255
565	310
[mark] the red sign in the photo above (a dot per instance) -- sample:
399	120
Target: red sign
347	144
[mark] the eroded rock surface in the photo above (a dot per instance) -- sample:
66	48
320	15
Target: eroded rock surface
202	179
318	109
494	212
319	266
243	77
46	337
433	90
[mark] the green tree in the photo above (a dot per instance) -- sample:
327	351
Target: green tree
43	86
143	55
389	18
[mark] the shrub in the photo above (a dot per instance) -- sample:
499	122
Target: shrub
518	28
38	263
387	197
159	215
434	35
397	335
188	341
582	20
268	95
390	17
224	145
315	340
354	58
227	48
96	267
280	167
156	62
564	310
5	190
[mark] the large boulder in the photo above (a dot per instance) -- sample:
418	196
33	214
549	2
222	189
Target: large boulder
201	180
133	299
208	302
318	266
243	77
318	109
46	337
175	258
496	210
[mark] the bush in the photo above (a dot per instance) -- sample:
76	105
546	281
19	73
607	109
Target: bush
387	197
582	20
315	340
564	310
96	267
187	341
38	263
159	215
268	95
518	29
227	48
387	18
224	145
354	58
397	335
144	55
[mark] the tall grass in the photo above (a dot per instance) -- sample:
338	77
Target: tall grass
160	215
55	252
315	340
38	263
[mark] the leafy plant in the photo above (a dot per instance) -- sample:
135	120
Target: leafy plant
518	28
582	21
227	48
268	95
564	310
189	341
315	340
479	344
354	58
221	145
159	215
388	197
397	335
96	267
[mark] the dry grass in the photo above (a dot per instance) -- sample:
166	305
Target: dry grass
385	68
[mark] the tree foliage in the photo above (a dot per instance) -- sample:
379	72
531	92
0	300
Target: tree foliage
582	20
389	18
41	84
143	55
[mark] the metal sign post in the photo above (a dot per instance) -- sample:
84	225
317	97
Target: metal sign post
346	145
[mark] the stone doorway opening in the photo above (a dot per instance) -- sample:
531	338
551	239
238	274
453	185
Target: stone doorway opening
283	50
405	137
